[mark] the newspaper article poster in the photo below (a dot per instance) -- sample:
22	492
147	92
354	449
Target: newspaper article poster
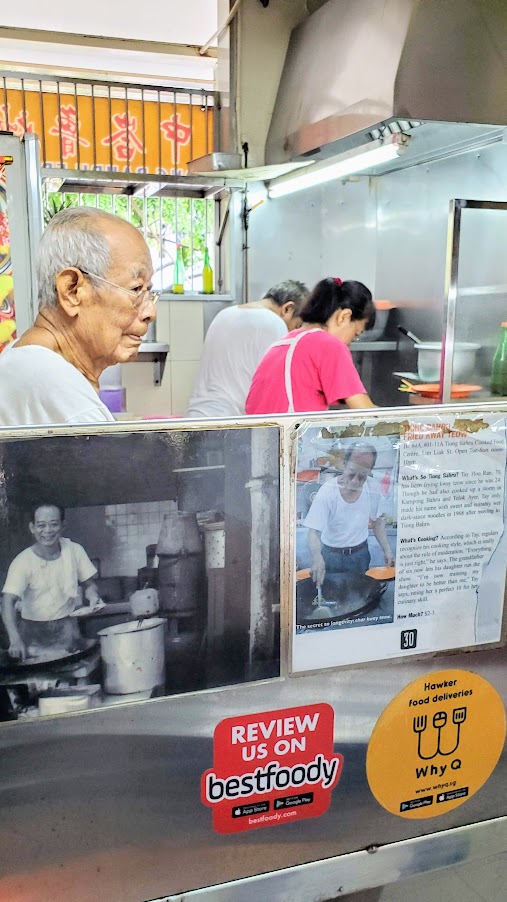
401	546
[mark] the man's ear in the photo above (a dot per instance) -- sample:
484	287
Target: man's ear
288	310
70	287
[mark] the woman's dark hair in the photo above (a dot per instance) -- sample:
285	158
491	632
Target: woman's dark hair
329	295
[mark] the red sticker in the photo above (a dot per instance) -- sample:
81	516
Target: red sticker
274	767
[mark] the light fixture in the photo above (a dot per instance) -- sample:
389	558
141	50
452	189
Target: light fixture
350	163
53	184
146	189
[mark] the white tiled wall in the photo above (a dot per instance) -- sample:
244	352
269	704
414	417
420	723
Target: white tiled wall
181	325
118	534
183	373
186	328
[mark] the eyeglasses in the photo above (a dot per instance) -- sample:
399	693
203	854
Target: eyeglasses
139	298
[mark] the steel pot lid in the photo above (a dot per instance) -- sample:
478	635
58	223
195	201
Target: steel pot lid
132	626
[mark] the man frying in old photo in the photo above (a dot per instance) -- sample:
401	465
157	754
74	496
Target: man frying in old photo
42	589
338	520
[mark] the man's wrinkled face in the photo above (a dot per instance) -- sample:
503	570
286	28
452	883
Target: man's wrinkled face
357	470
46	527
113	323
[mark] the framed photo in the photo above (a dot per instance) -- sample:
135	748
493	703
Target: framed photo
401	545
126	565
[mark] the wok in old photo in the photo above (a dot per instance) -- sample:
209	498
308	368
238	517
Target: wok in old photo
128	565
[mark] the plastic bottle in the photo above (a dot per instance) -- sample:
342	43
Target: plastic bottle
499	370
179	272
207	275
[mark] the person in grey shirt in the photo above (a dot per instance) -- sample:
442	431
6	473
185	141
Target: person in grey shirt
235	343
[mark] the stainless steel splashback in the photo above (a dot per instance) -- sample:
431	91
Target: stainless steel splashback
355	71
412	209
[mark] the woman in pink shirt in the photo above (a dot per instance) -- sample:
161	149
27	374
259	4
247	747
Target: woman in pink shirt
312	367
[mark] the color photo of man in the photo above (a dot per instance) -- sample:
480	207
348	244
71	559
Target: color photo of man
339	518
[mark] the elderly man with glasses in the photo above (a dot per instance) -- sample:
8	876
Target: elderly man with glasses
94	274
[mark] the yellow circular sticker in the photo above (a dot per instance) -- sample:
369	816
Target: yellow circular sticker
436	744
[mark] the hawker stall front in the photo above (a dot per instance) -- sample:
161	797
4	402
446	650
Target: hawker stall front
232	690
266	655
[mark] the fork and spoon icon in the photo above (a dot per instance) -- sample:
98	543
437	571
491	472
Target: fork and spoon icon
420	725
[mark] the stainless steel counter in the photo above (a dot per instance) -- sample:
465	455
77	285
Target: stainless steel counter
105	805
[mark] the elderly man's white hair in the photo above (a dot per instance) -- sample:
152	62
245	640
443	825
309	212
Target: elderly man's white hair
74	237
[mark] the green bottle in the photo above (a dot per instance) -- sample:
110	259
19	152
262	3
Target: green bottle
179	272
499	371
207	275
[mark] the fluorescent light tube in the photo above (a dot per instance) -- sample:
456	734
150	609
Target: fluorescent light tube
348	164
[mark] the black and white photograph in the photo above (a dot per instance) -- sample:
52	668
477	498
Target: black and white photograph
346	529
128	565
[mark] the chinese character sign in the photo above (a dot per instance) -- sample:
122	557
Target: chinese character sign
83	132
67	126
177	132
124	139
10	122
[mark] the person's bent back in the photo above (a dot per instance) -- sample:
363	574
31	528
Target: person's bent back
236	341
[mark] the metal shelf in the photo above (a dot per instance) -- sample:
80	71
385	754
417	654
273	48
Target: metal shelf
195	296
154	352
154	347
373	346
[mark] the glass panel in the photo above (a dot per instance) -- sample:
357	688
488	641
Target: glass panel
482	295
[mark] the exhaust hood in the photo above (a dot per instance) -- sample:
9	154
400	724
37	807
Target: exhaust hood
360	71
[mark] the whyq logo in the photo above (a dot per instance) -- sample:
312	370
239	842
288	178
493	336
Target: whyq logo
280	760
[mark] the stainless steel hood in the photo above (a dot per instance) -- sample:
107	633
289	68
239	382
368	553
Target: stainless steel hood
357	70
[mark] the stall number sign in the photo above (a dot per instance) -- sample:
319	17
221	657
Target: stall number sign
436	744
275	767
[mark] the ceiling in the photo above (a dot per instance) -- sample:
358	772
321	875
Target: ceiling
31	34
174	21
111	64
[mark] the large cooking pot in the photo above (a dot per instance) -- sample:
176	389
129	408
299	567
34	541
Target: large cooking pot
134	656
351	595
429	354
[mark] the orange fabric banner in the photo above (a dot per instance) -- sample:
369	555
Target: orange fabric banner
95	133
